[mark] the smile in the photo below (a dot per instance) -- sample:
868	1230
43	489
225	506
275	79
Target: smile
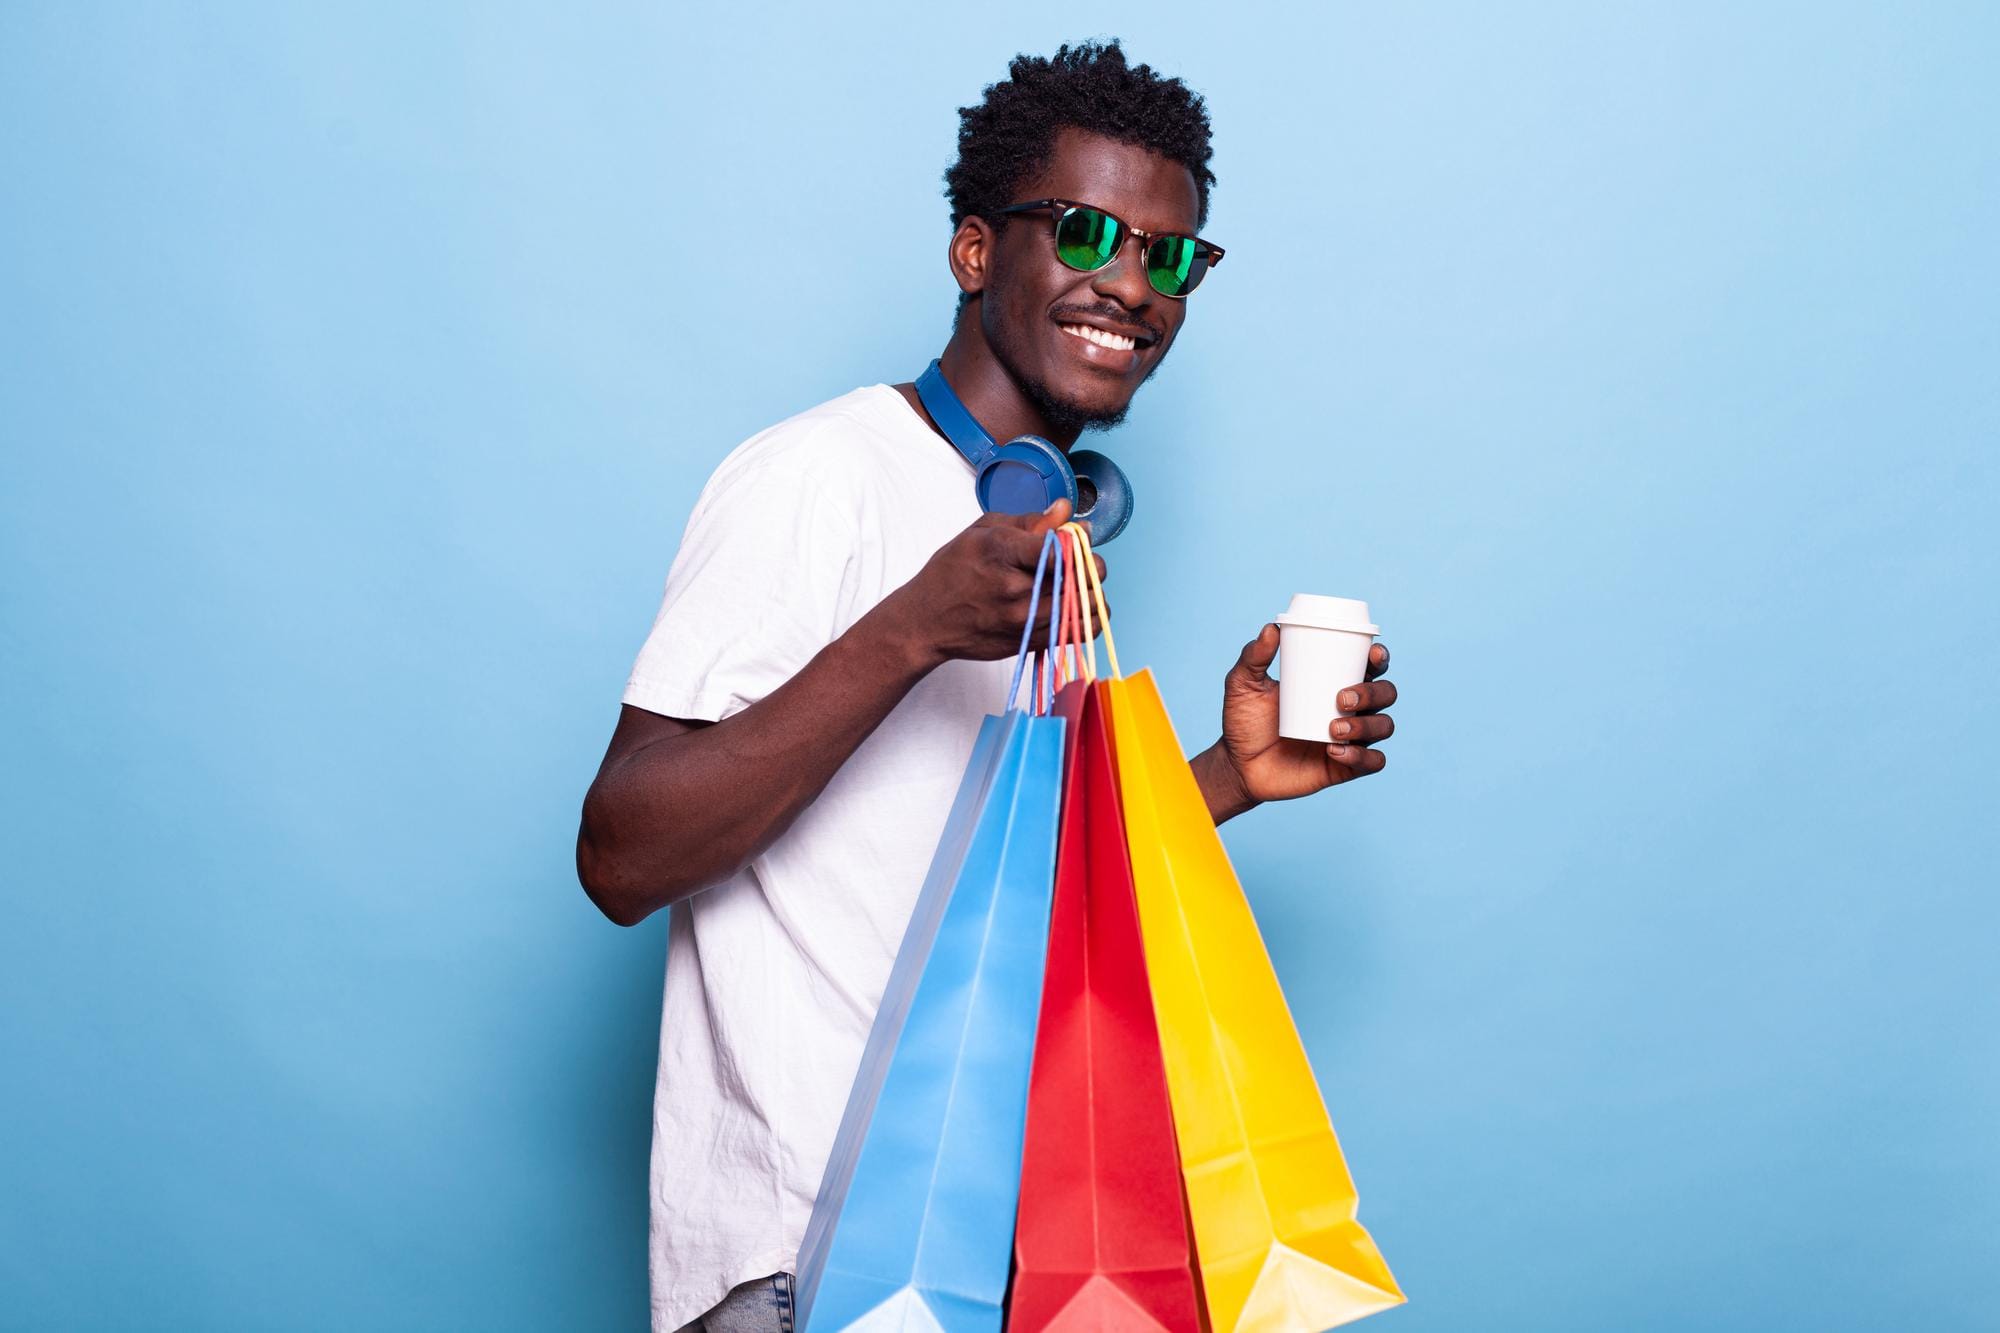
1116	342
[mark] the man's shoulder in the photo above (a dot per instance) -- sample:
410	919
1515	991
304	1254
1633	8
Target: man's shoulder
826	443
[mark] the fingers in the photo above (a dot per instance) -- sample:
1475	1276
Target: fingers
1016	541
1357	759
1029	554
1361	730
1038	636
1378	661
1367	698
1352	736
1035	528
1011	548
1039	526
1021	583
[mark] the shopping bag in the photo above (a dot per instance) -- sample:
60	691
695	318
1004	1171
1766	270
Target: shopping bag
1269	1197
913	1225
1102	1240
969	809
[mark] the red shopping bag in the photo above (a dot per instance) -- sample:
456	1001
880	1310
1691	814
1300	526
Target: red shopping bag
1101	1241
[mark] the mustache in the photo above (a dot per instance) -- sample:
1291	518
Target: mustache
1112	315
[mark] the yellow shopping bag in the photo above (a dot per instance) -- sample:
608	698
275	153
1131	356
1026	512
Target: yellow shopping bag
1267	1188
1275	1235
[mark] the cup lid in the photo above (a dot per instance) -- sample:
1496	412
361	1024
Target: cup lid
1344	613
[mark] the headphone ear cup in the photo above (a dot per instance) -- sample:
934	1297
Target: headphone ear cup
1111	508
1024	476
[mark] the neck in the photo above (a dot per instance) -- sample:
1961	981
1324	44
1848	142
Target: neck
988	391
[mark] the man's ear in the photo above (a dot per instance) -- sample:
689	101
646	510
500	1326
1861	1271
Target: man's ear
971	254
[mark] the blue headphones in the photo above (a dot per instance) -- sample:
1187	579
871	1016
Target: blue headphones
1028	474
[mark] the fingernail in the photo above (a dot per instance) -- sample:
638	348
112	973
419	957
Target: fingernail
1349	699
1343	728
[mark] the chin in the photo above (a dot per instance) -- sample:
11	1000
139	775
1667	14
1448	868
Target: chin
1103	414
1068	408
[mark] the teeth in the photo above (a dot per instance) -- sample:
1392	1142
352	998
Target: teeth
1117	342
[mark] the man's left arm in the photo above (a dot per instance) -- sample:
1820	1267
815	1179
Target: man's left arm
1252	764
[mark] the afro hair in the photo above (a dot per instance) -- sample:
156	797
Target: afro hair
1008	138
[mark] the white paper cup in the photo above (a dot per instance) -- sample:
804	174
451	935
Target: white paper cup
1323	647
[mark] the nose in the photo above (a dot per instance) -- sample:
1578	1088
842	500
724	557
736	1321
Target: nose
1124	278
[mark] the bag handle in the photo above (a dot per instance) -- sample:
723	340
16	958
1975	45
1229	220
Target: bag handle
1073	635
1058	597
1075	650
1087	576
1080	659
1049	543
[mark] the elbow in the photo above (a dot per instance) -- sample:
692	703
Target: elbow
621	915
628	882
609	888
619	911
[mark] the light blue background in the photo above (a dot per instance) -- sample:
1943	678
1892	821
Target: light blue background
1636	362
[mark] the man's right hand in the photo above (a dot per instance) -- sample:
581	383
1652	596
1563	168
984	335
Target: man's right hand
970	600
681	804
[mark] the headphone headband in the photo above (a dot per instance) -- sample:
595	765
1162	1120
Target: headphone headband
959	426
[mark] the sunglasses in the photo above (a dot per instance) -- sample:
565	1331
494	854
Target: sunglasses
1089	238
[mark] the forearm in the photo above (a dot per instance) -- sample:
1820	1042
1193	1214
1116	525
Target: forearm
686	811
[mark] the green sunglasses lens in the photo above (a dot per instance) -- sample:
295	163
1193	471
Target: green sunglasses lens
1176	264
1087	239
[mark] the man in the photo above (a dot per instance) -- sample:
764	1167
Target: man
837	621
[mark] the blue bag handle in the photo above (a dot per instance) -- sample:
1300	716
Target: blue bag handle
1049	543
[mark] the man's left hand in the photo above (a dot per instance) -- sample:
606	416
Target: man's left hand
1268	767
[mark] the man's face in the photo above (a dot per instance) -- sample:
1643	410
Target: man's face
1032	302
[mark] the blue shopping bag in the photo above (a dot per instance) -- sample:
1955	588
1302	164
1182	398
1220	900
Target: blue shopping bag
913	1226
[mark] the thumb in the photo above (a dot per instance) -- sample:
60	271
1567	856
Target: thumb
1254	662
1053	517
1048	520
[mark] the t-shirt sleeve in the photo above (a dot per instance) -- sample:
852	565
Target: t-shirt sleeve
758	587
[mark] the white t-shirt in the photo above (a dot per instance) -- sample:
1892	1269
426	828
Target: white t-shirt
773	976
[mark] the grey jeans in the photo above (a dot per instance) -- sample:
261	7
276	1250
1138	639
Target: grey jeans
761	1305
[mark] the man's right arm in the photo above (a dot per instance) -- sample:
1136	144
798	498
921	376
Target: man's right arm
678	806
